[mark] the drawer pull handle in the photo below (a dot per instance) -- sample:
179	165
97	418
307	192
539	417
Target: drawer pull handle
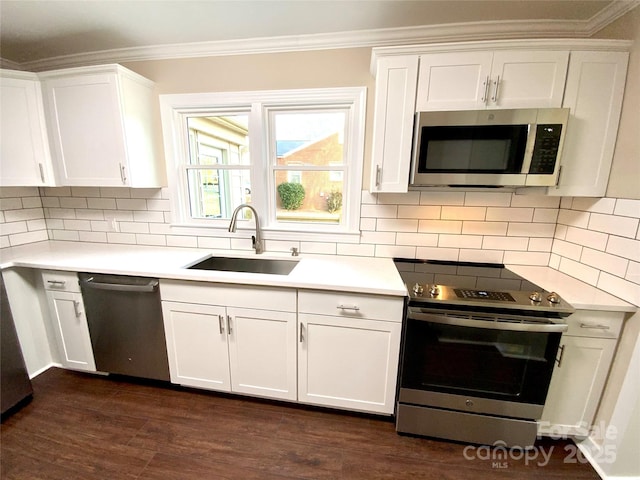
76	308
57	283
596	327
355	308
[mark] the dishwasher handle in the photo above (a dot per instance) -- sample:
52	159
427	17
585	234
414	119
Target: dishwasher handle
150	286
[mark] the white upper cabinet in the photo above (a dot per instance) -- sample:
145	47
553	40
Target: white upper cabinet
594	92
101	127
393	123
485	79
24	148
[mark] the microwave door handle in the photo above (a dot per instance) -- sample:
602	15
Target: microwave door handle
488	324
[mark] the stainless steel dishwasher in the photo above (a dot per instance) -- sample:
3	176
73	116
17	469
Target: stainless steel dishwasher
125	324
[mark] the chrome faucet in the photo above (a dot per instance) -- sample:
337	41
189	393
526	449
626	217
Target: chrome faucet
255	240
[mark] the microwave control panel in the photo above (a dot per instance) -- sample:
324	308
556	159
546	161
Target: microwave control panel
545	149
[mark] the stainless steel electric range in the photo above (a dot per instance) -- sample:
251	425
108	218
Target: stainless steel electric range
478	350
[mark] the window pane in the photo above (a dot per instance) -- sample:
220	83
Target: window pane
214	193
316	198
311	138
219	140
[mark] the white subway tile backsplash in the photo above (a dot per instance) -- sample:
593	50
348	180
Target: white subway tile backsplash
148	216
526	258
131	203
94	237
16	192
69	235
53	202
23	215
319	248
633	272
148	193
540	244
417	239
409	198
351	249
115	192
27	237
475	255
604	261
484	228
597	205
460	241
463	213
554	261
116	237
573	218
14	203
619	287
159	204
10	228
88	214
181	241
537	201
624	247
54	223
627	208
366	198
31	202
368	224
561	231
395	251
154	240
531	230
567	249
56	191
388	238
134	227
441	198
440	226
77	224
437	253
73	202
102	203
37	224
85	192
505	243
588	238
510	214
545	215
622	226
397	225
379	211
578	270
60	213
487	199
212	242
420	212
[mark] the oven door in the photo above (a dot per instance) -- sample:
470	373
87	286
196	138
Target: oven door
499	367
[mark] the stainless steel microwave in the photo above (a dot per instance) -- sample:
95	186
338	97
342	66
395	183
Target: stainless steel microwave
488	148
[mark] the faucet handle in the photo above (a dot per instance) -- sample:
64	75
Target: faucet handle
294	251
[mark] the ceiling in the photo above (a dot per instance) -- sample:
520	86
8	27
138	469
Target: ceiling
37	34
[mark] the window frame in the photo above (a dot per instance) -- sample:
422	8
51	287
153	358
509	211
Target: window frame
176	108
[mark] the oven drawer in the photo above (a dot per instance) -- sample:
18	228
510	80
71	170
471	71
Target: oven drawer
61	281
597	324
374	307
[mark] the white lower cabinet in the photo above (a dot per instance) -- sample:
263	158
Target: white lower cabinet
581	371
68	320
215	343
348	359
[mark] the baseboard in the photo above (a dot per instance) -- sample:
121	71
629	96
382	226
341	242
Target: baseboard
43	369
591	450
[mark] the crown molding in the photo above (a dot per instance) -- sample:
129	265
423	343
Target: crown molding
492	30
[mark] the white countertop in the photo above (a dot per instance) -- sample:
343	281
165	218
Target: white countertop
349	274
579	294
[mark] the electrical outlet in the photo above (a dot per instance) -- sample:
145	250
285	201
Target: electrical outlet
112	223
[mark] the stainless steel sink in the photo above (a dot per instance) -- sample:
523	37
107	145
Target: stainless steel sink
248	265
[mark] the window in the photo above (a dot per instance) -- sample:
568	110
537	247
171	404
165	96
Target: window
296	156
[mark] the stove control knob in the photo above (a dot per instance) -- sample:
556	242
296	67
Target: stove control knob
418	289
535	297
434	290
553	297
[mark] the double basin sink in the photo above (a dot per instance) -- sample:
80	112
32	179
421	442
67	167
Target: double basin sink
247	265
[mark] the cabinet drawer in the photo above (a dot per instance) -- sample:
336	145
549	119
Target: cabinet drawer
203	293
60	281
373	307
597	324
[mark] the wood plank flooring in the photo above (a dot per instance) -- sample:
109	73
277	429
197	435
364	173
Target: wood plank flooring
82	427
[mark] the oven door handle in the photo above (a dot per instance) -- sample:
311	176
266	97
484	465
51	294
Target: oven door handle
467	322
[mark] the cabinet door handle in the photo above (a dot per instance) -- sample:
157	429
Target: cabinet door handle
229	325
559	175
123	174
486	89
561	351
301	332
595	327
495	92
378	175
76	308
354	308
41	172
221	324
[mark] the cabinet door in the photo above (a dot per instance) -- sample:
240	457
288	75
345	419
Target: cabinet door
576	385
453	81
594	91
71	330
527	79
395	98
197	345
262	352
348	363
85	122
24	149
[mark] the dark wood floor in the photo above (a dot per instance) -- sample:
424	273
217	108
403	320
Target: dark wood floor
81	427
